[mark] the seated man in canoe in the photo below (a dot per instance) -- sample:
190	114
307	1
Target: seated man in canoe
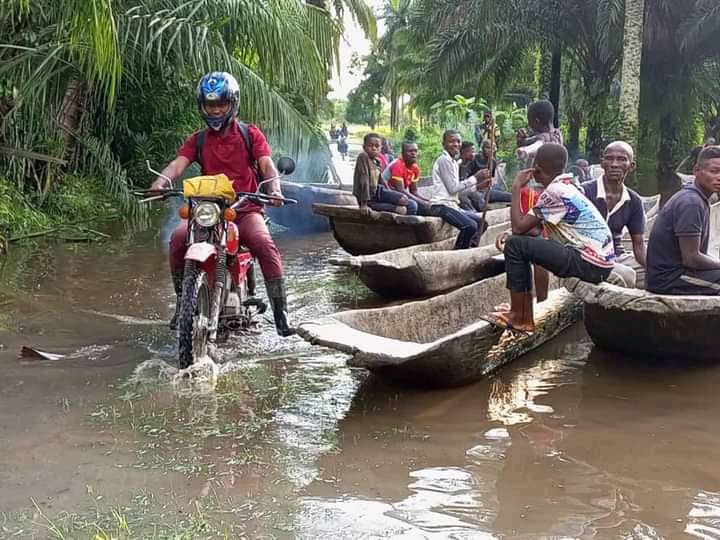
470	163
580	243
447	187
369	191
620	206
402	175
677	258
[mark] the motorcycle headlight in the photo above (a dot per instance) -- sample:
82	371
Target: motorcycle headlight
206	214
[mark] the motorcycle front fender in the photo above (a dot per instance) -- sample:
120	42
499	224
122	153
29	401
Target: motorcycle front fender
201	252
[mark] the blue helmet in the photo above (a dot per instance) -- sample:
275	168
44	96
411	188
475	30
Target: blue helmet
218	86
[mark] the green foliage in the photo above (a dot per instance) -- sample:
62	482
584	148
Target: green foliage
16	215
364	102
106	85
460	109
76	199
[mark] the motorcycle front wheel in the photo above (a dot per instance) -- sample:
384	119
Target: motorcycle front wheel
194	317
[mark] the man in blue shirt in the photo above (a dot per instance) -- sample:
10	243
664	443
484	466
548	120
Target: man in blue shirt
677	258
620	206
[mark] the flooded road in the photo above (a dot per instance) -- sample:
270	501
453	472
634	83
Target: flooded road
568	443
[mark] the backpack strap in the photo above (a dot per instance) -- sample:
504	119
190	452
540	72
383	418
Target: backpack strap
202	135
245	132
247	138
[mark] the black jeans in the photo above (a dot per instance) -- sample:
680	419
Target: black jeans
563	261
469	223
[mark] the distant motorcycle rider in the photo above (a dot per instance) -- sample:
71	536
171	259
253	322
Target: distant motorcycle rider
241	152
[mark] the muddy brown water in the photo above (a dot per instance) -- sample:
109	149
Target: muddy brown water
570	442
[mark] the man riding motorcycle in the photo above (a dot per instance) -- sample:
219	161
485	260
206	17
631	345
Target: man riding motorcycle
241	152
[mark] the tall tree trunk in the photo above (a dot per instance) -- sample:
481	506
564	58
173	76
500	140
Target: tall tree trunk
574	125
70	112
68	119
394	120
667	159
630	75
555	80
597	95
544	73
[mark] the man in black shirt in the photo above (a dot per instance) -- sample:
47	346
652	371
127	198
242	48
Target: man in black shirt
677	258
470	164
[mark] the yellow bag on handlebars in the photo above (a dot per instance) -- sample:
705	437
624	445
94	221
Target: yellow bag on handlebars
217	186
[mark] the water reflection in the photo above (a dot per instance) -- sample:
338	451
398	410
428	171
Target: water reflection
704	516
290	443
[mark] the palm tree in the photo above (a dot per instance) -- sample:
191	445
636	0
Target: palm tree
486	37
396	48
78	71
679	39
358	9
630	75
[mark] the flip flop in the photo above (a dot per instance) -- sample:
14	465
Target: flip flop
500	320
504	307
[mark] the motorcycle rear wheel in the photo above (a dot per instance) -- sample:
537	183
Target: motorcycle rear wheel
194	317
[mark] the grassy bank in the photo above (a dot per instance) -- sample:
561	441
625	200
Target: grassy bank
75	200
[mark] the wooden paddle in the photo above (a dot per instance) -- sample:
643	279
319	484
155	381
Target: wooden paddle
491	162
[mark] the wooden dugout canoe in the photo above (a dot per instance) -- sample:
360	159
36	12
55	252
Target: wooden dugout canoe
440	342
428	269
364	235
638	323
300	217
385	231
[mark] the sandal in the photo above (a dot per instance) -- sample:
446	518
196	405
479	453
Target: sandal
501	320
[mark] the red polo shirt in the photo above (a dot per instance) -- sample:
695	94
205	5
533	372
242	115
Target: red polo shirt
225	152
407	175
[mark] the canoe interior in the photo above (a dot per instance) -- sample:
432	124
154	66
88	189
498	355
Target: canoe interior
440	342
428	320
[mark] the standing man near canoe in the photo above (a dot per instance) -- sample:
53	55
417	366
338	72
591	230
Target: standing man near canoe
620	206
580	243
677	258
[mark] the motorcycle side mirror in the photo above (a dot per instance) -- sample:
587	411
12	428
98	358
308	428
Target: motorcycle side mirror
286	165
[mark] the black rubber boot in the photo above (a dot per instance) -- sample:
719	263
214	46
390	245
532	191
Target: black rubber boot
177	279
278	300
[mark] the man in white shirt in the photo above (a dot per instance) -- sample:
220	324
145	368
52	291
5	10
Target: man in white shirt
447	187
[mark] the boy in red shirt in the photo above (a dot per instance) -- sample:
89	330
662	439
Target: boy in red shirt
403	174
368	188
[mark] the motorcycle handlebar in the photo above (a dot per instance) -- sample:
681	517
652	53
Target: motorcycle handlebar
261	198
149	195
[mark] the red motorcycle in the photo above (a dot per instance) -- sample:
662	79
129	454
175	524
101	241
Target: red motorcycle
218	292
